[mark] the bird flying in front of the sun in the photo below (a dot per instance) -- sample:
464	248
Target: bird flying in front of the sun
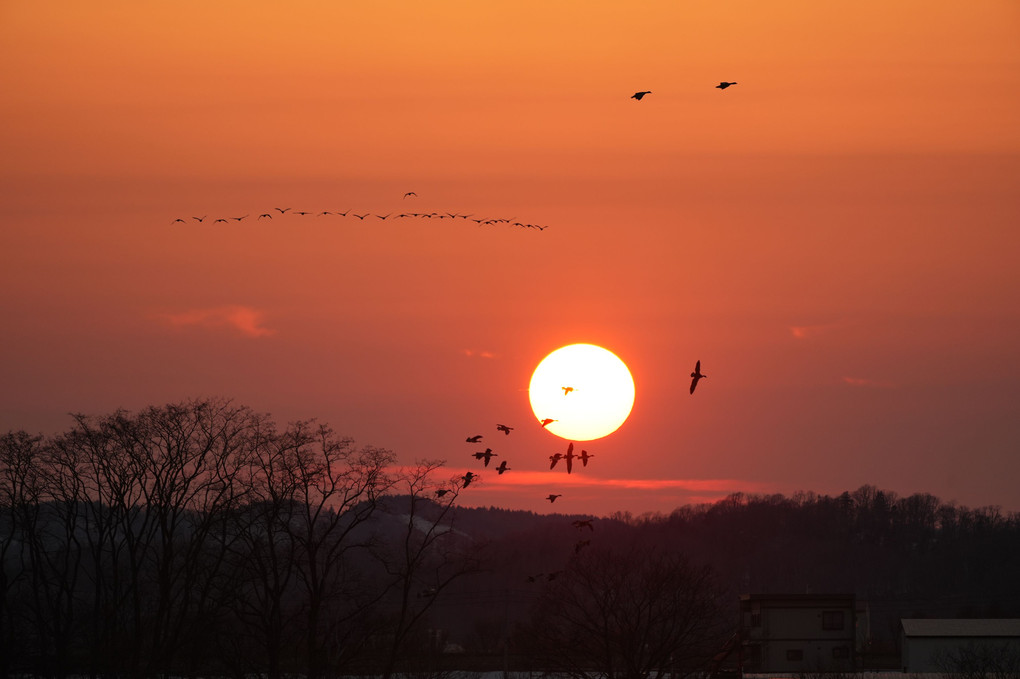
639	95
696	375
547	421
569	457
505	429
567	390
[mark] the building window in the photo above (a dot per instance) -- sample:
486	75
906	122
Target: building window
794	654
832	620
840	652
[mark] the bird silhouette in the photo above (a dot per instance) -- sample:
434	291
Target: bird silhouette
238	218
303	213
554	459
441	492
552	498
200	219
585	457
723	85
468	478
474	439
486	455
567	390
362	216
178	220
502	467
384	216
569	457
639	95
696	375
264	215
220	220
410	193
547	421
583	523
281	209
503	428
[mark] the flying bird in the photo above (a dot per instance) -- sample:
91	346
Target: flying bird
178	220
547	421
569	457
238	218
220	220
503	428
474	439
262	216
584	458
486	455
554	459
696	375
723	85
410	193
502	467
583	523
361	216
468	478
567	390
552	498
200	219
441	492
281	209
638	95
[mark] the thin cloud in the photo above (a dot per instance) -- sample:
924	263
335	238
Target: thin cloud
813	330
864	382
471	353
244	319
559	476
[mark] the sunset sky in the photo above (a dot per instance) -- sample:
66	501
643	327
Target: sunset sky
836	237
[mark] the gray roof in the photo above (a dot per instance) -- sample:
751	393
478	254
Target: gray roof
961	627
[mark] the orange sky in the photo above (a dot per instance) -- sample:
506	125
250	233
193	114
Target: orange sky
835	237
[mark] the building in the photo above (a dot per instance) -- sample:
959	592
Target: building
942	644
798	632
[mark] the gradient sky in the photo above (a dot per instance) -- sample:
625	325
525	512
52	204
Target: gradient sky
836	238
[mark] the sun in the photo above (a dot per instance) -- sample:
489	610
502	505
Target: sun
584	389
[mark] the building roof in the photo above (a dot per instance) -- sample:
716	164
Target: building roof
961	627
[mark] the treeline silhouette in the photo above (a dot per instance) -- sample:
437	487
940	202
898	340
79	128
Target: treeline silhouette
201	538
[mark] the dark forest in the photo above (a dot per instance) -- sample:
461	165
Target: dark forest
202	538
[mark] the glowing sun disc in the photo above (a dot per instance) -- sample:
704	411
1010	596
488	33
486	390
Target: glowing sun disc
586	390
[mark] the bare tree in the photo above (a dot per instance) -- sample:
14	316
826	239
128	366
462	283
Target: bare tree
980	661
428	556
628	613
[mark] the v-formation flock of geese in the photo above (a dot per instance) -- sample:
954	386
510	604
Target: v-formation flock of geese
279	212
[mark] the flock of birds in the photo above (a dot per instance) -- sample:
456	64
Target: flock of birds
485	456
278	212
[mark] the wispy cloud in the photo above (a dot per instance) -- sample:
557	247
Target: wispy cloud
865	382
543	478
244	319
813	330
472	353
